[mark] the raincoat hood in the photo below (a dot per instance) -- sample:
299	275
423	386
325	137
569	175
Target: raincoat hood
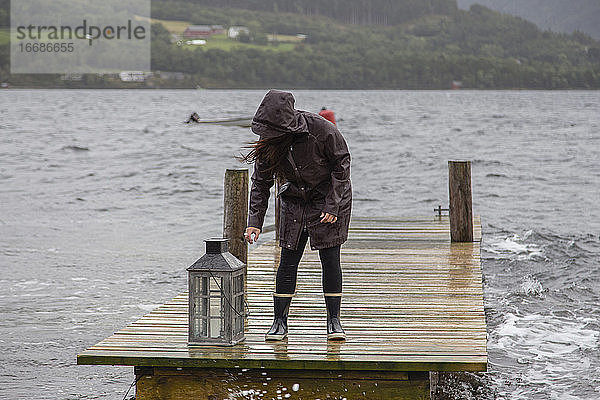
277	116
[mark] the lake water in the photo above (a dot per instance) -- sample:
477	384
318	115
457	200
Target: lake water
106	197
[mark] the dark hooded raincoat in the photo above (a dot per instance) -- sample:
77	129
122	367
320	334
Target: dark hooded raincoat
319	182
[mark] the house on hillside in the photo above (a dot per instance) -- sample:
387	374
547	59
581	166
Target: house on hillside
235	31
135	76
198	32
217	29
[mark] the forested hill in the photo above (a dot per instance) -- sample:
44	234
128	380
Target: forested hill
390	44
480	47
557	15
372	12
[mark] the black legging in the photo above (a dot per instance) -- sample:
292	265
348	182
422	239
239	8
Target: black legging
288	268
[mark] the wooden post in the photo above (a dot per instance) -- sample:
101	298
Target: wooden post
434	380
235	215
461	213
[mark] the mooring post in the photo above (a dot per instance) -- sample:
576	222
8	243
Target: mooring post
434	381
235	215
461	207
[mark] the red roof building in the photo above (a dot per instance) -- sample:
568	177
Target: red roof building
198	32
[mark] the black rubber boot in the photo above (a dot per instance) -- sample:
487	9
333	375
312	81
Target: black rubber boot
279	329
334	326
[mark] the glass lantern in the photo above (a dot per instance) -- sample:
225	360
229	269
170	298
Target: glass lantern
216	297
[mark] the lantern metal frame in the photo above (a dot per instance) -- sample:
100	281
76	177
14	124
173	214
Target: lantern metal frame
216	297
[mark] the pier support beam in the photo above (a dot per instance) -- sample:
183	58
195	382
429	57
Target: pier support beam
217	384
235	215
434	380
461	207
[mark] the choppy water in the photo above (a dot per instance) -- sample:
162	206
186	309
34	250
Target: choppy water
105	198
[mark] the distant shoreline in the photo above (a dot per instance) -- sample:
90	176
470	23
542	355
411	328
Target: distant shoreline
310	89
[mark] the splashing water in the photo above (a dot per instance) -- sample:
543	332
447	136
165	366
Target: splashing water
514	245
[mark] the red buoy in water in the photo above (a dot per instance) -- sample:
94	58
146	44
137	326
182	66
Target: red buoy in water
328	115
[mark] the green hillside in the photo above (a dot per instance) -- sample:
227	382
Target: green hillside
371	12
428	48
555	15
480	47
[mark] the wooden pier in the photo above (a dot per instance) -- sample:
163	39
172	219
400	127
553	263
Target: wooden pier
412	303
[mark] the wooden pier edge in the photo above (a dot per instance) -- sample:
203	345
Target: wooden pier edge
174	360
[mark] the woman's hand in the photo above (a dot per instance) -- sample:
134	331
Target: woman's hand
328	218
251	231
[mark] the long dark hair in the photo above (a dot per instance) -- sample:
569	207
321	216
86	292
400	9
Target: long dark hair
270	152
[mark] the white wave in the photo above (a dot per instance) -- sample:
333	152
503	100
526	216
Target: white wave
527	234
531	286
548	351
514	246
564	396
31	282
546	332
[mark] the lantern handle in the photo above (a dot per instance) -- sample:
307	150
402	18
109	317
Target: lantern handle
227	299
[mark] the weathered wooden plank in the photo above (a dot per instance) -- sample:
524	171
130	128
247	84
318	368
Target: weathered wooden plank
356	343
302	326
277	361
305	337
256	338
396	346
407	354
301	360
300	351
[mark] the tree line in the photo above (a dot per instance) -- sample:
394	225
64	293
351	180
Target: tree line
372	12
482	48
339	67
